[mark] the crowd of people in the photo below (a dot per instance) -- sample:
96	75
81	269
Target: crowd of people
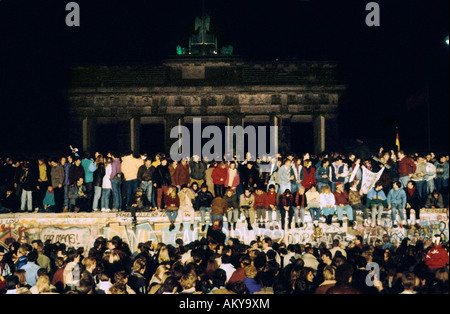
214	265
264	190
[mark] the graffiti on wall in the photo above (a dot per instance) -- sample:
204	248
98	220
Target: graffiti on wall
431	223
82	230
71	237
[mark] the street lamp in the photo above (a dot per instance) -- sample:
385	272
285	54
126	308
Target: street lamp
446	40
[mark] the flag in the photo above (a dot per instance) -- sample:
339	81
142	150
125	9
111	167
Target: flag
397	141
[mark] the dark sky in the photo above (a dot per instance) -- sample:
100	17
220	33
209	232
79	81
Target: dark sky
382	66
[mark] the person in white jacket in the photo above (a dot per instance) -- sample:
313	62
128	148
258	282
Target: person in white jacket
327	203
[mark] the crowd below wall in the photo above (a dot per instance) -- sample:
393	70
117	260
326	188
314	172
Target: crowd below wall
212	265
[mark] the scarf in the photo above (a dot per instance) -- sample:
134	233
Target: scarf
411	191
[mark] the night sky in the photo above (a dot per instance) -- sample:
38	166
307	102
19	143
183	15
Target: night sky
382	66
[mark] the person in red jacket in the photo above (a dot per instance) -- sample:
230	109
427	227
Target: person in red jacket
437	256
272	205
309	172
181	175
219	176
342	204
260	206
406	168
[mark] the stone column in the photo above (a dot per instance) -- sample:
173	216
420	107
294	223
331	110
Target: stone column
232	121
134	134
123	134
319	133
274	121
88	130
284	136
170	122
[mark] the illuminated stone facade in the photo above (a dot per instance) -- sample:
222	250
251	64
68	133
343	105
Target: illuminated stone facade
219	89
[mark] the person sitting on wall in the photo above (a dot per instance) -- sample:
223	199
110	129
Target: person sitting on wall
10	202
48	204
137	202
435	200
78	197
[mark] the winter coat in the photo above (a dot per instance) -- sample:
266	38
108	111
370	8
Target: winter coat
116	169
181	175
67	167
197	170
89	168
413	198
397	197
162	176
171	203
219	175
186	198
420	169
320	171
11	202
354	198
406	166
313	199
442	170
246	201
271	199
297	172
49	198
436	202
341	198
327	199
75	172
57	175
204	199
300	200
283	175
99	173
249	177
236	180
232	201
286	199
219	206
260	200
106	182
376	197
341	170
145	174
29	179
309	177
